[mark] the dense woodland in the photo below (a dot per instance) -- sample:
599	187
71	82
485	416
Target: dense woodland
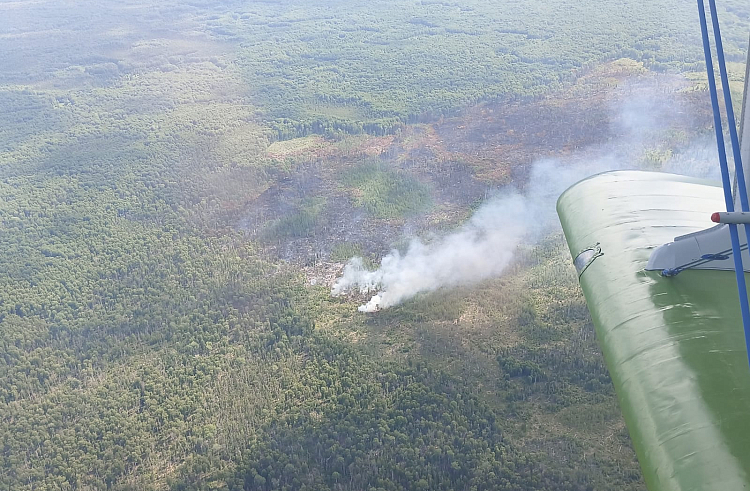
179	182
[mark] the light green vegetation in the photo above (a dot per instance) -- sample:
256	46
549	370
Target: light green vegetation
385	193
343	251
300	222
149	339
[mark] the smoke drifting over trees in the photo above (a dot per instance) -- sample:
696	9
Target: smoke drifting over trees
486	244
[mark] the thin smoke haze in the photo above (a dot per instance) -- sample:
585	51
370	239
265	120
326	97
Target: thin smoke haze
486	244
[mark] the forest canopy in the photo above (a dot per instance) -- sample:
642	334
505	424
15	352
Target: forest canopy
178	181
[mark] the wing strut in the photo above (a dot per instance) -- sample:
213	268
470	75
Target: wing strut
734	235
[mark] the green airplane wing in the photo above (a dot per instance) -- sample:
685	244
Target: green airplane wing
674	346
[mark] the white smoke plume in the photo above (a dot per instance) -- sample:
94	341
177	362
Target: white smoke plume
485	245
480	249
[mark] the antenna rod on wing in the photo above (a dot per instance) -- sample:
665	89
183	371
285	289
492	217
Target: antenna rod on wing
739	270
